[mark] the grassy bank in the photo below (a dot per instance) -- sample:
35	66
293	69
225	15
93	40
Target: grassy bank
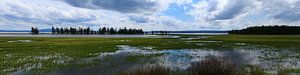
282	41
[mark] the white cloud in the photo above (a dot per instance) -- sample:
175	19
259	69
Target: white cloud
147	14
127	6
23	14
234	14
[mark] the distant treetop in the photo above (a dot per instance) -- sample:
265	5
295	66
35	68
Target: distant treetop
269	30
34	30
89	31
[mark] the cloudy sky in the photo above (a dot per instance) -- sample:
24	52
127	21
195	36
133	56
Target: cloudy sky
148	14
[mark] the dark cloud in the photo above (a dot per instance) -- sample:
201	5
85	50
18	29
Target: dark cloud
42	21
234	8
291	14
125	6
139	19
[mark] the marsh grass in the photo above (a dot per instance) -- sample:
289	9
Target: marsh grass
17	54
73	48
288	72
214	66
278	41
252	70
149	70
209	66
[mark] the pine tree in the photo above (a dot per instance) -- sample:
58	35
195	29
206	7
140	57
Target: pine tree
88	30
103	30
62	31
53	30
99	31
73	30
81	31
66	31
113	31
58	31
34	30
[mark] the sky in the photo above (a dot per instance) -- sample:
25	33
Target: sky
148	14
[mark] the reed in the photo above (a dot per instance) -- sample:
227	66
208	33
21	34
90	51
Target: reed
149	70
214	66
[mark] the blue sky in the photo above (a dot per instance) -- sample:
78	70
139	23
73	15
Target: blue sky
148	14
178	12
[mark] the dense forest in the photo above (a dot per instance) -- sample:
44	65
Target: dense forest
89	31
269	30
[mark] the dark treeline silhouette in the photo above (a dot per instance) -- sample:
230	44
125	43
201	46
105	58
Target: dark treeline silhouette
89	31
269	30
158	32
34	30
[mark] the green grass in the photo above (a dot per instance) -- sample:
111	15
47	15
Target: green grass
16	55
280	41
54	53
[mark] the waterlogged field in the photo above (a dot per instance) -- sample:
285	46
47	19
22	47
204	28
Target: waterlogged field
168	54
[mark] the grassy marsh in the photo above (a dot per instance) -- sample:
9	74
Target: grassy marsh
46	54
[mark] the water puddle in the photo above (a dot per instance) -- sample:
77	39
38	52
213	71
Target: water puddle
269	59
20	41
121	40
163	36
195	38
204	41
37	63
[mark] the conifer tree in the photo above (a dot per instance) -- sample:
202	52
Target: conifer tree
53	30
34	30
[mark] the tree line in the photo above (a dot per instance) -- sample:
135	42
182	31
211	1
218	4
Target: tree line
89	31
269	30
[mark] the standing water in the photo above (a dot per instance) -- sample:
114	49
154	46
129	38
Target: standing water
267	58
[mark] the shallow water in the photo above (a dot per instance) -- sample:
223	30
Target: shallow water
21	41
268	58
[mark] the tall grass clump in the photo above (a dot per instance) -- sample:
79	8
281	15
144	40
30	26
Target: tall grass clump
209	66
149	70
214	66
286	71
253	70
